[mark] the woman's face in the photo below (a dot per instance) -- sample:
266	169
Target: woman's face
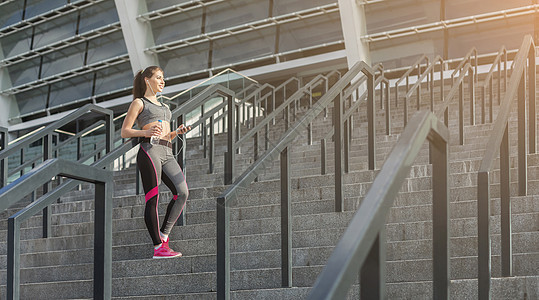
157	82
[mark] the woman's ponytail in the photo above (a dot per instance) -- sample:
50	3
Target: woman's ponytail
139	86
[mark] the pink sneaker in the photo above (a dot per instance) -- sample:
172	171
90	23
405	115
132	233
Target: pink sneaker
165	252
165	243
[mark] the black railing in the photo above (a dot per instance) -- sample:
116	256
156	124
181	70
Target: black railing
362	246
489	83
406	76
523	68
470	58
458	87
102	179
45	136
352	92
281	149
3	162
429	71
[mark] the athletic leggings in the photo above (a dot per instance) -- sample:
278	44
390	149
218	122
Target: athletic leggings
157	163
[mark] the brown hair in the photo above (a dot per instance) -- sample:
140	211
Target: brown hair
139	87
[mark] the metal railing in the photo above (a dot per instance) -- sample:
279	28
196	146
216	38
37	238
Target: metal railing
351	92
524	68
470	58
416	66
362	246
280	149
458	87
417	87
45	136
489	83
102	179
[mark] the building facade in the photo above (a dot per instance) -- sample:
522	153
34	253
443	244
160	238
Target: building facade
57	55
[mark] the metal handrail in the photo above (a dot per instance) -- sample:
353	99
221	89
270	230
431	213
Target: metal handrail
406	75
206	80
103	219
57	146
362	246
280	149
46	136
417	86
466	59
317	80
458	86
49	129
347	115
502	54
499	141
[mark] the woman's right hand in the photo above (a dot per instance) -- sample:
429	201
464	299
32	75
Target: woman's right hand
154	130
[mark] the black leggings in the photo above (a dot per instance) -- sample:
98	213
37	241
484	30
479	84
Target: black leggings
157	163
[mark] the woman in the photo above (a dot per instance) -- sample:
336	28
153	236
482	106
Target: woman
156	161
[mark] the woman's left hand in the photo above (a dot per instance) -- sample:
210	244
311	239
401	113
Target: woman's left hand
183	129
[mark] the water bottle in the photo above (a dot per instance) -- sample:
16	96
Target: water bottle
154	139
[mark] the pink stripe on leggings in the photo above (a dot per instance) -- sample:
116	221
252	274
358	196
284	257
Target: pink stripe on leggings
153	192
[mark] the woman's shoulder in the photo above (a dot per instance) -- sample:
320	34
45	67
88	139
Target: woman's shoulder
137	102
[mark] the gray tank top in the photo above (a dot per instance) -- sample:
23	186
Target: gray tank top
152	112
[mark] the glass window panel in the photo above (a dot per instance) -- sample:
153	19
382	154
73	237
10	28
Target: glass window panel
242	47
71	89
158	4
235	12
310	32
402	52
282	7
108	46
457	9
24	72
489	37
184	60
390	15
38	7
16	43
98	15
114	78
63	60
55	30
166	29
11	13
33	100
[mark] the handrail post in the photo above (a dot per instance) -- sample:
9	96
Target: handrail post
532	119
439	150
182	145
212	144
47	217
483	235
223	249
388	110
471	89
103	241
338	144
461	113
13	259
346	146
286	221
371	115
229	155
505	206
372	273
522	157
3	162
323	147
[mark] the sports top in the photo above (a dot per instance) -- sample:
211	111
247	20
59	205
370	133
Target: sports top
152	112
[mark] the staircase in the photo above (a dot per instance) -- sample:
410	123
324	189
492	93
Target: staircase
61	266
